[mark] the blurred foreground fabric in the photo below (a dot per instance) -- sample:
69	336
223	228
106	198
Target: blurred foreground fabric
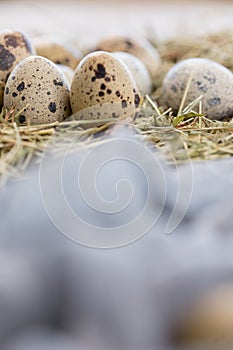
58	294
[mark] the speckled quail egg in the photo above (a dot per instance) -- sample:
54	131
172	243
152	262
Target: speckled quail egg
138	70
57	51
68	72
103	87
140	48
210	79
38	90
14	46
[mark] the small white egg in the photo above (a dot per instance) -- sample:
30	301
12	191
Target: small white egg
138	70
68	72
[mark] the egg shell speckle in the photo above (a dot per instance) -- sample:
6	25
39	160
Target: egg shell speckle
103	88
38	82
57	51
138	70
14	46
140	48
210	79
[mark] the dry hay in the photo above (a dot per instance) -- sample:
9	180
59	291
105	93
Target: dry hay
183	136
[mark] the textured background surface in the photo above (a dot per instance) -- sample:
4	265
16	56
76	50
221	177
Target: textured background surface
84	21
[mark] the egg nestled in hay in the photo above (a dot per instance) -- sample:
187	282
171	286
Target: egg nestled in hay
57	51
208	79
37	91
14	47
103	88
139	47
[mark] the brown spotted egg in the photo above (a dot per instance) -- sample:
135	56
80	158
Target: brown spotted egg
14	46
38	90
57	51
103	88
140	48
208	78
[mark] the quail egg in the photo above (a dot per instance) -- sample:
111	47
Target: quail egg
57	51
140	48
138	70
103	87
208	78
38	91
14	46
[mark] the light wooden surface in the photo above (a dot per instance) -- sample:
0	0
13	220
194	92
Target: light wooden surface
86	21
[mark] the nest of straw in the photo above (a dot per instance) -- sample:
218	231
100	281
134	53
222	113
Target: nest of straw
182	136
